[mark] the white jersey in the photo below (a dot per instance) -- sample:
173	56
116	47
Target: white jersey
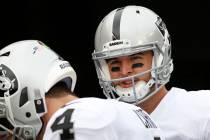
100	119
184	115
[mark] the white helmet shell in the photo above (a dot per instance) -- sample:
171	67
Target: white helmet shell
28	69
134	23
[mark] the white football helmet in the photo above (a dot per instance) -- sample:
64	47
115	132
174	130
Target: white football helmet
28	69
126	31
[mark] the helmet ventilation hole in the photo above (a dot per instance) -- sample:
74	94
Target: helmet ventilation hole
5	54
23	97
28	114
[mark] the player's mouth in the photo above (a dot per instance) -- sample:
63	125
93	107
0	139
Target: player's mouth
127	83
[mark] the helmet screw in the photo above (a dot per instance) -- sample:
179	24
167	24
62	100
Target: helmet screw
38	102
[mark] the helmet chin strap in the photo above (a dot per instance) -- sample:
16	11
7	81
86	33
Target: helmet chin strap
136	92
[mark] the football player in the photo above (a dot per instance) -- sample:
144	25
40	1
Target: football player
133	61
37	101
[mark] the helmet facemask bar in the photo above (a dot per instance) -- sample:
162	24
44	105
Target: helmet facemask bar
153	85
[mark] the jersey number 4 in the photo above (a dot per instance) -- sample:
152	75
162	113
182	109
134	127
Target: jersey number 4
66	125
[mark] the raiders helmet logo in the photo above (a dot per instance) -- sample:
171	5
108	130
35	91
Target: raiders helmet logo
161	25
8	81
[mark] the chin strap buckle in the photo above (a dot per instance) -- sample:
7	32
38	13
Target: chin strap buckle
24	133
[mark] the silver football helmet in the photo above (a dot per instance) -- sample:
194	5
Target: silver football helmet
28	69
126	31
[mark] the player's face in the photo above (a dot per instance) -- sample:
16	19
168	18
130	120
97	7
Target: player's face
130	65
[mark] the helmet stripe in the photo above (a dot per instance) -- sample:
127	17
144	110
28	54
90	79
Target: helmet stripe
116	24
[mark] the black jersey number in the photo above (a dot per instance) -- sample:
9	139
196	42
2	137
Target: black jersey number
66	126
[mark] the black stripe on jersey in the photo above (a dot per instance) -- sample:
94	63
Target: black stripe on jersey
144	117
116	24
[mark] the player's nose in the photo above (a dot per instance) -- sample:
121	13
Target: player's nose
126	68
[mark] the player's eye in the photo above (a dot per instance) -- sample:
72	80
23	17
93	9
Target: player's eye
115	69
137	65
